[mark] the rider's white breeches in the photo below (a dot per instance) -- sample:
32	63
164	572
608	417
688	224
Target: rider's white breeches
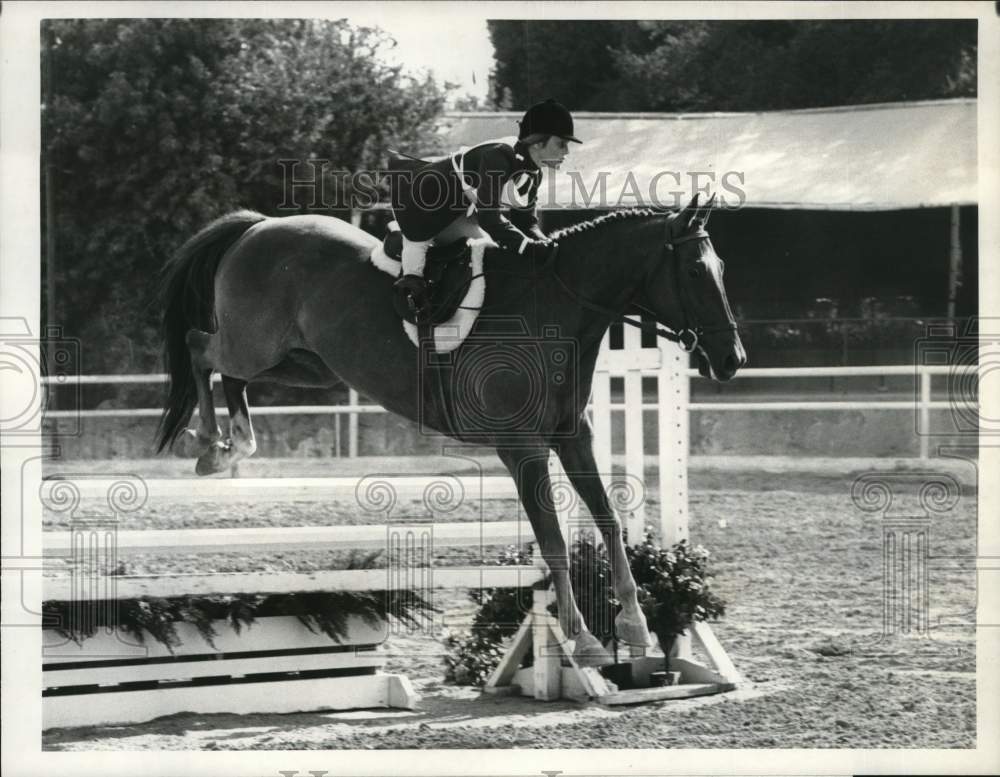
414	256
415	252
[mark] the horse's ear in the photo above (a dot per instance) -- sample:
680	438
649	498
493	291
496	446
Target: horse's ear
706	210
697	212
690	212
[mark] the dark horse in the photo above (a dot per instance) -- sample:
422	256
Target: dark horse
296	300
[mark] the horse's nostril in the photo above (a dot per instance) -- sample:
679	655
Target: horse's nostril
730	364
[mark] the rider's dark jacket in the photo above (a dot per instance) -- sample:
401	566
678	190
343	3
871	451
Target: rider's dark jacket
498	180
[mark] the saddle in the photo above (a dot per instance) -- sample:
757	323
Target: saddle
448	273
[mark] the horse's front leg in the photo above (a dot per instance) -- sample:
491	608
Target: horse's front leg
529	468
577	457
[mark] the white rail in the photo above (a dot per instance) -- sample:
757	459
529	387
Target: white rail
614	363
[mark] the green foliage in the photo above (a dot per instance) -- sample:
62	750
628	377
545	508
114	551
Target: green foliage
674	592
593	586
731	65
571	60
319	611
153	127
674	587
471	658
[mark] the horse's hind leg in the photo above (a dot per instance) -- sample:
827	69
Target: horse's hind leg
208	433
241	438
241	443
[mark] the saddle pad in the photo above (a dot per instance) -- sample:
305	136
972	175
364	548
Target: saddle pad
448	332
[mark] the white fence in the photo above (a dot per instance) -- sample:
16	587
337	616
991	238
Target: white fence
631	370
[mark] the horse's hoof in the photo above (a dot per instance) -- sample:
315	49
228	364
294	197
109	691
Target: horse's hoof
191	444
633	631
588	651
215	459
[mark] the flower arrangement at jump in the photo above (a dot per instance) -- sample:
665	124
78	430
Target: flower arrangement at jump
326	612
675	590
674	587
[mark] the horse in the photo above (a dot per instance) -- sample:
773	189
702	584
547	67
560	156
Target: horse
295	300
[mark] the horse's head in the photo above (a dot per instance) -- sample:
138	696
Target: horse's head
685	292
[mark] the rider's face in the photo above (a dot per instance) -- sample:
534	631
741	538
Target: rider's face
551	153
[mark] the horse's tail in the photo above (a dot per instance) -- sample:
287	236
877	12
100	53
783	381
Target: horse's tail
187	297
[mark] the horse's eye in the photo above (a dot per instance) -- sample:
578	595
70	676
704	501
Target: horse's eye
694	273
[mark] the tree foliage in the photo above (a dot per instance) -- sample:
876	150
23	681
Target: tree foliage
731	65
153	127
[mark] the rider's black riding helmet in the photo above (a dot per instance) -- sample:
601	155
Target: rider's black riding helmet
547	118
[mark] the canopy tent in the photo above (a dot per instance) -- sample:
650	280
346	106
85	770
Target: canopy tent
867	157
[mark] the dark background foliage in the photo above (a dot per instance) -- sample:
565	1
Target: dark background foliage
730	65
153	127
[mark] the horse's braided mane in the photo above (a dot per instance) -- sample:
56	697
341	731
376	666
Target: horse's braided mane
615	215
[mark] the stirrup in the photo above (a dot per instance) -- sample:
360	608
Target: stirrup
412	289
421	312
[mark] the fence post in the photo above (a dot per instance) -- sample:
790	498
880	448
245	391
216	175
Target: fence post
352	426
634	447
925	412
673	421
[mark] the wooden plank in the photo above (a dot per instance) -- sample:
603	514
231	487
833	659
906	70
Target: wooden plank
547	650
352	425
693	672
305	695
511	660
635	521
132	587
646	695
229	489
402	695
270	538
211	667
618	362
703	633
283	632
672	392
588	678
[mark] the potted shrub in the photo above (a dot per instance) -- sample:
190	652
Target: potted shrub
674	588
674	592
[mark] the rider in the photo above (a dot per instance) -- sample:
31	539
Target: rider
461	196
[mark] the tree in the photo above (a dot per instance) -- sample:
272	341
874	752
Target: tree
152	127
569	60
733	65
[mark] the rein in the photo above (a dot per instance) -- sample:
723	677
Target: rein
687	337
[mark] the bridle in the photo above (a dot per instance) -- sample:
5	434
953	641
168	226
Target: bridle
689	335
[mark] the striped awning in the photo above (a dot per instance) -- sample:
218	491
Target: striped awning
877	157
